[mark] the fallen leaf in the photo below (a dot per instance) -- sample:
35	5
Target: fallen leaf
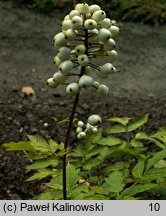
54	119
28	91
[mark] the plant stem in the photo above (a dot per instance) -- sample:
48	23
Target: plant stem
68	137
66	143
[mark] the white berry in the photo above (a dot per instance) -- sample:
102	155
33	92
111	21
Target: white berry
94	120
72	88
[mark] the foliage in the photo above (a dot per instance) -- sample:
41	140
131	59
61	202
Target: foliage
101	167
148	11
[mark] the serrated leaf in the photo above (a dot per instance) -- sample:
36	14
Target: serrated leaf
154	173
79	191
43	173
43	163
160	164
138	169
161	134
158	156
39	143
123	121
116	128
116	166
142	135
136	189
137	122
18	146
136	143
115	182
72	176
91	163
53	145
110	141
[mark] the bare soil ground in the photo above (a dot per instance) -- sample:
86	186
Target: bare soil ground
26	59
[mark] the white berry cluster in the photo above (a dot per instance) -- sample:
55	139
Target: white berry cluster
92	126
86	34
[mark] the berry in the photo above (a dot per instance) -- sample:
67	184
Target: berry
98	16
59	78
96	84
81	135
79	129
57	60
51	83
66	24
59	40
106	23
70	35
102	90
80	124
94	130
110	44
94	120
88	70
74	13
72	88
64	53
112	55
94	8
85	81
83	59
114	30
80	49
90	24
107	68
82	8
77	22
65	67
104	35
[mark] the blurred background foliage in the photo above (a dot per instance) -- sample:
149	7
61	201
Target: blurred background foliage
147	11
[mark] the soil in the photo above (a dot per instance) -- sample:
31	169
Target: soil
26	55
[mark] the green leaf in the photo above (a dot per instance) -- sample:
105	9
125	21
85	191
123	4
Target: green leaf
39	143
56	182
45	196
136	143
63	121
116	166
18	146
116	128
115	182
91	163
154	174
93	137
110	141
161	134
160	164
137	122
136	189
138	169
79	191
43	163
142	135
42	173
53	145
158	156
71	176
123	121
